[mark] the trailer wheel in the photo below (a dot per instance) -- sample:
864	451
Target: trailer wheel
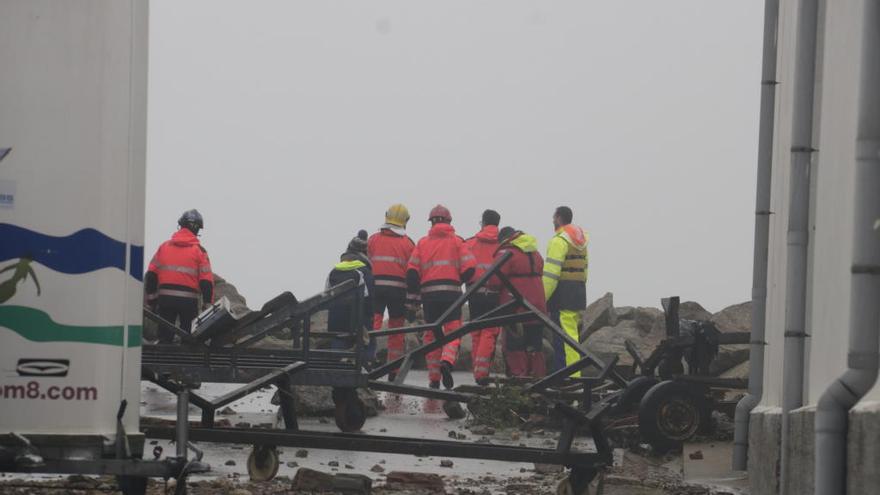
670	413
577	482
351	414
632	395
132	485
263	463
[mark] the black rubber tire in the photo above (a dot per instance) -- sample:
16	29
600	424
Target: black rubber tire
132	485
632	395
263	463
350	415
671	413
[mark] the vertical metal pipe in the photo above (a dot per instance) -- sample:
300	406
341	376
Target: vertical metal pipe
864	332
798	220
762	229
182	426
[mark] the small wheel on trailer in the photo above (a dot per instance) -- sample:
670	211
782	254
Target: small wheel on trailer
632	395
263	463
672	412
132	485
577	482
351	414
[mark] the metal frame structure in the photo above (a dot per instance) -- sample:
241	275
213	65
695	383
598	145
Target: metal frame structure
202	361
517	310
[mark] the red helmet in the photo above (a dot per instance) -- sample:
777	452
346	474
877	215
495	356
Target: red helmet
441	212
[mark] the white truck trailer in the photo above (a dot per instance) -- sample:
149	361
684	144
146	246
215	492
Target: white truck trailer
72	160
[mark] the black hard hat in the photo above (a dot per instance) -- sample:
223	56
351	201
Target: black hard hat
192	220
506	233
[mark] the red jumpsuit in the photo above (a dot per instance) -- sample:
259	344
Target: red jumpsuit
389	253
524	352
483	246
439	260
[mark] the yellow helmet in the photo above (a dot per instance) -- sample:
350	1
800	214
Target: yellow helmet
397	215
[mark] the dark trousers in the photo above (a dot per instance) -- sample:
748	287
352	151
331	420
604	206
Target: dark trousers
178	310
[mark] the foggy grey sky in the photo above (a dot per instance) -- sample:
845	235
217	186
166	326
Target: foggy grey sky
290	125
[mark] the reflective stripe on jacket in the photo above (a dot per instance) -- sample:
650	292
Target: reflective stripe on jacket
440	258
483	247
565	269
389	254
181	262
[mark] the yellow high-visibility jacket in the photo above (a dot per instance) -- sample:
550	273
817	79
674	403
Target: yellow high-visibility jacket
565	269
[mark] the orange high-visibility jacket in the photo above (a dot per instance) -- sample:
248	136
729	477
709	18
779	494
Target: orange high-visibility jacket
440	259
389	253
180	264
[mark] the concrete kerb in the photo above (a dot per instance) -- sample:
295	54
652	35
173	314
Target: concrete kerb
765	436
863	444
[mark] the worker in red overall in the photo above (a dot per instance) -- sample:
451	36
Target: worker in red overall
483	246
389	251
524	349
439	264
178	274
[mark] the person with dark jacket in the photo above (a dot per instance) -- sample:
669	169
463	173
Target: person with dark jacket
353	265
178	274
524	349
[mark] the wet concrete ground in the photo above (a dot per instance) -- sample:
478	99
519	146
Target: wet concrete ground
403	416
417	418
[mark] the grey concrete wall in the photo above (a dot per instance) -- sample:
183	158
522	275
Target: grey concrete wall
863	449
765	429
799	472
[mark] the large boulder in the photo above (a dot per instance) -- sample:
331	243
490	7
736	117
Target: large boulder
741	370
318	401
610	340
736	318
237	303
600	313
690	310
729	356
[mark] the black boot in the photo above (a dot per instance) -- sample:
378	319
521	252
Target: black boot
446	373
434	384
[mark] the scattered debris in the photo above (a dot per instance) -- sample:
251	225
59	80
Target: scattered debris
243	424
405	480
504	406
333	463
292	464
377	469
482	430
696	455
302	453
227	411
349	466
446	463
454	410
230	462
548	468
